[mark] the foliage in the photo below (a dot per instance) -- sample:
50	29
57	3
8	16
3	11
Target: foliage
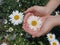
18	36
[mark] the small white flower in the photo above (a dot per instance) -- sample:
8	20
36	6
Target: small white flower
5	21
21	34
57	13
14	44
19	5
51	36
4	43
6	36
54	42
10	29
16	17
34	22
17	0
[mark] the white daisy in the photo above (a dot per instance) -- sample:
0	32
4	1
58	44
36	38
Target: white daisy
57	13
14	44
5	21
16	17
4	43
21	34
54	42
10	29
34	22
6	36
17	0
19	5
51	36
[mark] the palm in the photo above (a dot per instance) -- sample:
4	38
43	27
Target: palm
47	26
25	20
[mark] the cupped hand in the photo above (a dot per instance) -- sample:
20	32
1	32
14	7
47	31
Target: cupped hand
46	27
37	10
26	27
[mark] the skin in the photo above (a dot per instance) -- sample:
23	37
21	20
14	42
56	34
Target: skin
25	25
51	22
37	10
45	11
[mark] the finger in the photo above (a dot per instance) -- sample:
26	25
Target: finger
48	30
42	29
26	16
33	36
40	33
27	29
29	10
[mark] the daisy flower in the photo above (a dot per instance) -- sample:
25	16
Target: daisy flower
17	0
34	22
5	21
54	42
6	36
51	36
14	44
16	17
4	43
57	13
10	29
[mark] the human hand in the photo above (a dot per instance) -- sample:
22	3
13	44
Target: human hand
50	22
37	10
25	24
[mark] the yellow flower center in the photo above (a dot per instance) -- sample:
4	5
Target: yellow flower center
16	17
51	36
54	43
34	23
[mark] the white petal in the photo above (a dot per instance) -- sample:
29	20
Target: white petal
57	42
19	21
34	18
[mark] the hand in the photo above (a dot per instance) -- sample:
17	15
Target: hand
37	10
47	26
26	27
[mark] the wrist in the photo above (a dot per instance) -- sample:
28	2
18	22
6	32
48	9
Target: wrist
52	5
56	20
47	9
